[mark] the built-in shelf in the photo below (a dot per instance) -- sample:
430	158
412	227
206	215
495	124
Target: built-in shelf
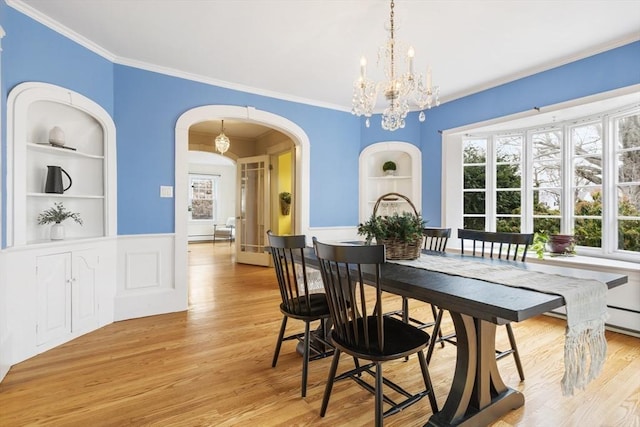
64	196
87	160
390	177
50	149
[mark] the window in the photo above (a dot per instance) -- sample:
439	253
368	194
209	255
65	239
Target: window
580	178
203	190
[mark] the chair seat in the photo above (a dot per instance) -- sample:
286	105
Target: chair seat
400	339
318	307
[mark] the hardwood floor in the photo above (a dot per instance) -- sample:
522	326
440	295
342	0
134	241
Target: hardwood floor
211	366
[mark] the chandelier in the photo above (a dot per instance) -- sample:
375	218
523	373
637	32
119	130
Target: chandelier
222	141
399	89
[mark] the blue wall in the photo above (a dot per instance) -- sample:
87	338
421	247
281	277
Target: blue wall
146	105
147	108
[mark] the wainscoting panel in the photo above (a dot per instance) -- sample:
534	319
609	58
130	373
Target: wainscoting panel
146	280
142	270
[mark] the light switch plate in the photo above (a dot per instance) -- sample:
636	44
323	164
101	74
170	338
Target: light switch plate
166	191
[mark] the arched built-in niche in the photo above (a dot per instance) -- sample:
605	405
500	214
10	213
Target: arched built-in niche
407	179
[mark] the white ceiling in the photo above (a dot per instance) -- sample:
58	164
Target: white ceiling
309	50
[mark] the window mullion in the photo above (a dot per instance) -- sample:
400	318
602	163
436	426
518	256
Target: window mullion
491	186
568	189
527	183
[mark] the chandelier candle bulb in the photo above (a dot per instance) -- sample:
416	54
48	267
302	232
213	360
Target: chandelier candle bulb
363	68
411	53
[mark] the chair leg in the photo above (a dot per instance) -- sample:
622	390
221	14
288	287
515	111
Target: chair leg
379	395
436	331
405	315
305	359
279	343
427	382
516	354
439	333
329	386
405	309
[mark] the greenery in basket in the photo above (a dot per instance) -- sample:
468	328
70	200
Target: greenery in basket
388	166
57	214
405	227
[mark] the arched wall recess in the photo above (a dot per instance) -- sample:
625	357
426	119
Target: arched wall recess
34	107
374	182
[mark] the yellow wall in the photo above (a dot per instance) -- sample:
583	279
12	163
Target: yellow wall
284	184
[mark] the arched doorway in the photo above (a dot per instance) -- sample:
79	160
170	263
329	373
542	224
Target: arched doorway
249	114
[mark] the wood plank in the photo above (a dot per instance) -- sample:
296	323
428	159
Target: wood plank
211	365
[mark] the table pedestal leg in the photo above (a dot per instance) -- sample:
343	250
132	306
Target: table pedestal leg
478	395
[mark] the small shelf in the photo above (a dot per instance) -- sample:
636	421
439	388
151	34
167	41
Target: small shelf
390	177
49	149
399	201
64	196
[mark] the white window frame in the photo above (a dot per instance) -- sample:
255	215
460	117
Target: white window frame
453	210
214	196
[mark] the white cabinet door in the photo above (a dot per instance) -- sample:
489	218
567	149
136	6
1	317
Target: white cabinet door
84	308
67	294
54	296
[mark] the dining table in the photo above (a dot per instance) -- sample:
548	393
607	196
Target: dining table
478	395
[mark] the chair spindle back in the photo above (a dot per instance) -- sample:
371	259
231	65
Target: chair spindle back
497	244
350	301
436	238
291	271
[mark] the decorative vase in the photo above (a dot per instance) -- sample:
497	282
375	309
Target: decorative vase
285	207
56	136
57	231
561	243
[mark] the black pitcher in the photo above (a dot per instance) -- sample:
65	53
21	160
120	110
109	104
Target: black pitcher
54	180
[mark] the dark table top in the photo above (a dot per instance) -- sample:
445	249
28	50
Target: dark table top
484	300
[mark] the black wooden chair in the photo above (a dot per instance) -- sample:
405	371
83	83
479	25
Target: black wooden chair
361	330
435	239
510	246
298	302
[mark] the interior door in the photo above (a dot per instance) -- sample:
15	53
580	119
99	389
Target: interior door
252	210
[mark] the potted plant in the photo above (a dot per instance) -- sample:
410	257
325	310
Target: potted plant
561	244
389	167
56	215
285	203
557	244
400	233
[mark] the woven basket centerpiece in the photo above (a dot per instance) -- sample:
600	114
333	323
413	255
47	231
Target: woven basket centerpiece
401	233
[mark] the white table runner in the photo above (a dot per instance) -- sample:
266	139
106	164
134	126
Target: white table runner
585	301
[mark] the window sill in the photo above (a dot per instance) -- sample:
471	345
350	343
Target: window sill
586	261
